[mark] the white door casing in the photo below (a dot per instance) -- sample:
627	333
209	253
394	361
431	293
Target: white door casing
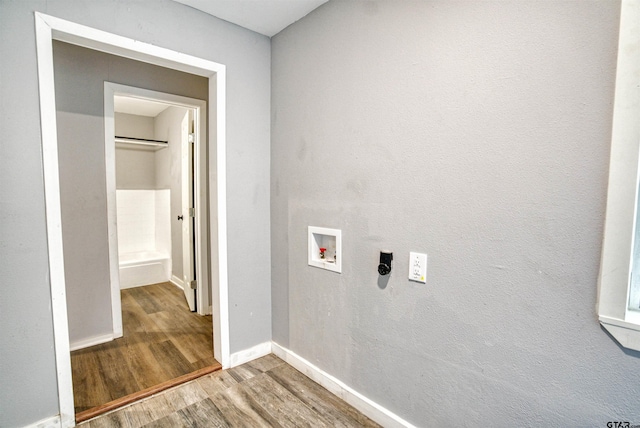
188	271
49	28
194	233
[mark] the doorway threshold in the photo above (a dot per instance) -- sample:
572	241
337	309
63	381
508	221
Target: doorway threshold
148	392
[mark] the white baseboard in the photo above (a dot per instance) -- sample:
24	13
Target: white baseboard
250	354
52	422
177	281
91	341
368	407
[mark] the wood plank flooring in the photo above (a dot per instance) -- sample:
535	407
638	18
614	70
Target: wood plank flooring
266	392
162	340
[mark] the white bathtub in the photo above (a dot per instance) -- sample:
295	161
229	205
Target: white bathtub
143	268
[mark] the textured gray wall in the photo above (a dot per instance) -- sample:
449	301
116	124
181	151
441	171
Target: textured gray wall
133	125
27	364
28	390
476	132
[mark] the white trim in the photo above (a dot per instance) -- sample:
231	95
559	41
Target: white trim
622	193
241	357
49	28
626	333
177	282
92	341
201	221
112	213
618	323
51	422
44	53
368	407
218	236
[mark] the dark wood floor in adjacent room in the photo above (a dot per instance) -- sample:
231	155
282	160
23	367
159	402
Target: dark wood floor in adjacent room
162	340
265	392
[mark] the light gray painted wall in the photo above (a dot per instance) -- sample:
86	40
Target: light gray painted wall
167	127
27	366
135	169
476	132
134	126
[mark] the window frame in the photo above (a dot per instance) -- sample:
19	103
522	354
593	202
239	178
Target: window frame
622	196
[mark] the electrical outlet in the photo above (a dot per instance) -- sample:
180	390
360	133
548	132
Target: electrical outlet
418	267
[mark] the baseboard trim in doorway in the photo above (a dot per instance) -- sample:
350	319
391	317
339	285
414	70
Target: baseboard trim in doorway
136	396
365	405
177	282
246	355
52	422
92	341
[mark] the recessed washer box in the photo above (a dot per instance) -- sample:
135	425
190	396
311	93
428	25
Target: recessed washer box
329	240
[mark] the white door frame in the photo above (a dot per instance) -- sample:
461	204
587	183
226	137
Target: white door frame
188	189
200	107
49	28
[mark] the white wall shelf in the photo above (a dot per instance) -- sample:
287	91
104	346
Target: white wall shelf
140	143
331	241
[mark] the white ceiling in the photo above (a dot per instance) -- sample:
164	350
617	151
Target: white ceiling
137	106
267	17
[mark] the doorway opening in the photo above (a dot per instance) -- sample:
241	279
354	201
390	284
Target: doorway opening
158	254
174	248
49	28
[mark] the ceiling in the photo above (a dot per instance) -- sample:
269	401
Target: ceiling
138	106
267	17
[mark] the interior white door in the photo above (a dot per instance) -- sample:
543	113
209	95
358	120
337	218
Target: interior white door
188	218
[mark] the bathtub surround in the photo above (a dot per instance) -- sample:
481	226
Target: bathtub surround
137	211
149	198
144	268
144	237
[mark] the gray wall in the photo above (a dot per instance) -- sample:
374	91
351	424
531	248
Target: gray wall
28	391
133	125
135	169
476	132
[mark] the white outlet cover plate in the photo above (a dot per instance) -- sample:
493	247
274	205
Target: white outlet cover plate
418	267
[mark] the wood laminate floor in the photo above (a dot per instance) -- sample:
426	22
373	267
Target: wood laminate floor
266	392
162	340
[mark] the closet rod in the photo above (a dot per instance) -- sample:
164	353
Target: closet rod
141	141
